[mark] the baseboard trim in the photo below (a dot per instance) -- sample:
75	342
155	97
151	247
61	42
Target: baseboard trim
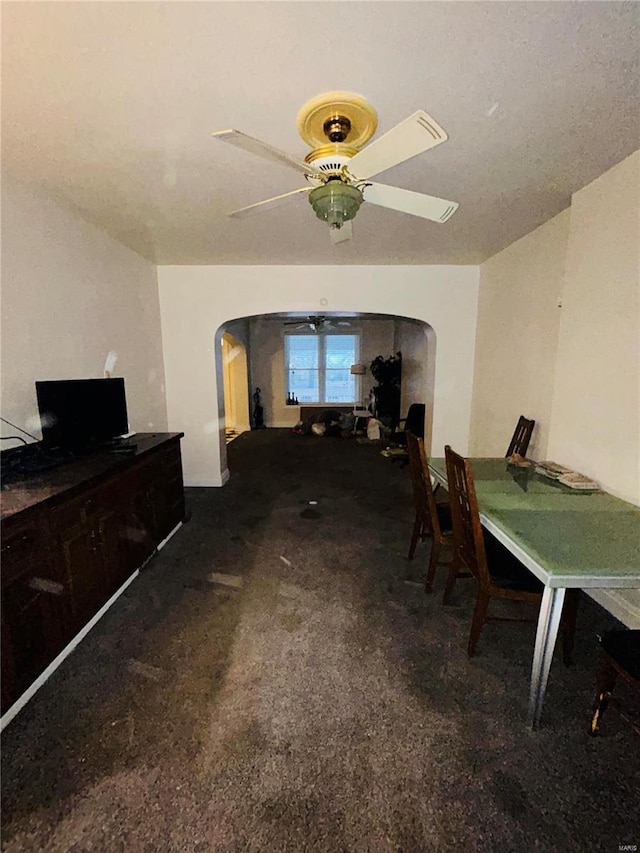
166	538
30	692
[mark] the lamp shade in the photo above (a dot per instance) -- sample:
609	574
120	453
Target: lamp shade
359	369
335	202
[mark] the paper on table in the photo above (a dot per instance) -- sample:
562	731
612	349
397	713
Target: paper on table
552	469
577	481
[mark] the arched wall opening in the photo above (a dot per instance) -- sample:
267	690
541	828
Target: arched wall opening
196	301
376	335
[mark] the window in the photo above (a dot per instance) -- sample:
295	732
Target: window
319	367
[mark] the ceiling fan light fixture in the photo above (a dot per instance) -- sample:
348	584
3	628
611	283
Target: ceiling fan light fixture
335	202
339	172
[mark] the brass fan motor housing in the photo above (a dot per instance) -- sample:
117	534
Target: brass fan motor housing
337	117
331	149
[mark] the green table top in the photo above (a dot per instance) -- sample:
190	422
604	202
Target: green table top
586	539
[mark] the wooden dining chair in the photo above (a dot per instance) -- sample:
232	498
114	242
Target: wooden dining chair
521	437
432	518
619	658
499	574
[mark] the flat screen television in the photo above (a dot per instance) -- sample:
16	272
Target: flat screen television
81	413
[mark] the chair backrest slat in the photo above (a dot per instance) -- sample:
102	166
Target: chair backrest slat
521	437
424	498
468	540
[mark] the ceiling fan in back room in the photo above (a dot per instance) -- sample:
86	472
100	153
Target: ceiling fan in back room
315	322
337	126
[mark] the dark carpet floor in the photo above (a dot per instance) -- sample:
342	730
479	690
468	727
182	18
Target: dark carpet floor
321	702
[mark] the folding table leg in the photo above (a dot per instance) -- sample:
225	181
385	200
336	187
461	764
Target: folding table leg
548	622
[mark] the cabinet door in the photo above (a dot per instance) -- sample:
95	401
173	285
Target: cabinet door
82	566
141	519
108	525
35	607
78	546
168	491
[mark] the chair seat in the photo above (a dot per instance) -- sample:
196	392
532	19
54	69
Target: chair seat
506	570
624	648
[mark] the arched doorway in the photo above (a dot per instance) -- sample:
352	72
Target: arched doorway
195	301
266	348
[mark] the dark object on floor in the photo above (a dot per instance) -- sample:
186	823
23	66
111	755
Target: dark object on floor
307	412
310	513
329	418
413	423
432	520
499	573
620	656
521	437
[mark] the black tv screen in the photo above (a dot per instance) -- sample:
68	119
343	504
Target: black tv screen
77	413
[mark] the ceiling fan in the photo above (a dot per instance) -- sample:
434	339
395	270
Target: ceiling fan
314	322
337	125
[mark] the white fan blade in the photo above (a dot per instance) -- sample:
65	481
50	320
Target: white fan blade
263	149
406	201
412	136
268	203
341	235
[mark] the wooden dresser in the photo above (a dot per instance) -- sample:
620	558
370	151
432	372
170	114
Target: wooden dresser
71	537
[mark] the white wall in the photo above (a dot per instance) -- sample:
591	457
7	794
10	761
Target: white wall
575	369
196	301
70	295
517	339
595	420
417	343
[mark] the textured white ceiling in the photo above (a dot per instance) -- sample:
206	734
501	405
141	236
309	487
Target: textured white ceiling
110	107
